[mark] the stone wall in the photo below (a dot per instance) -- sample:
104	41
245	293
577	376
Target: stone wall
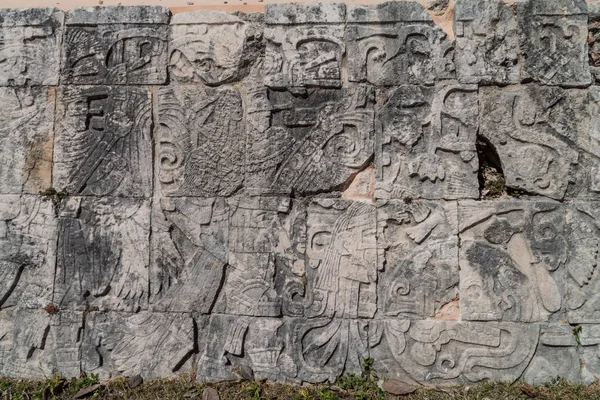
295	192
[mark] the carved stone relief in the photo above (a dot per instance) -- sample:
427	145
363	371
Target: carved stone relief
115	46
103	143
395	43
304	45
426	143
486	42
102	255
30	41
26	139
553	42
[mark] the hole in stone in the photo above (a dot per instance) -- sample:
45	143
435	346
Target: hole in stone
491	177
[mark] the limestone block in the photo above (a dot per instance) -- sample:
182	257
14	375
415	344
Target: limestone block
553	42
206	46
418	257
308	144
487	49
26	139
150	344
547	139
233	344
426	143
103	254
512	259
36	345
555	357
342	258
103	142
189	253
28	232
115	45
30	40
594	40
304	45
582	277
589	352
201	141
396	43
445	353
265	241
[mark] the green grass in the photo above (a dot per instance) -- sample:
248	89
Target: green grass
348	387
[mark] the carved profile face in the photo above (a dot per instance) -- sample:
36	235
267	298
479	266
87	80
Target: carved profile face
259	109
407	113
208	53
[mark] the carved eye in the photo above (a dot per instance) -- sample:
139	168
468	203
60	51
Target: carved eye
320	241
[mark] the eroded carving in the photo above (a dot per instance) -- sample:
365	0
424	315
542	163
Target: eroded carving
486	42
30	42
112	45
426	143
201	141
103	252
512	259
418	244
26	139
304	45
553	42
396	43
103	141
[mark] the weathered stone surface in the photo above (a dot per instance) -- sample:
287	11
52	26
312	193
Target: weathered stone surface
426	143
102	255
206	46
27	251
555	357
582	277
450	353
189	253
487	49
395	43
418	243
150	344
30	42
103	141
35	344
304	45
26	139
312	144
553	42
594	40
115	45
547	139
589	352
201	141
512	258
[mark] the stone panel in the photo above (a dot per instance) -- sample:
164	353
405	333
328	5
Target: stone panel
189	253
36	345
512	260
418	257
396	43
553	40
487	49
201	141
315	143
103	251
445	353
115	46
28	232
26	139
206	46
547	139
103	143
150	344
30	41
426	143
304	45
